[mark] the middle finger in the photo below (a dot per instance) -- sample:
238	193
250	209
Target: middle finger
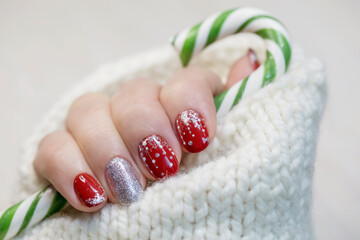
145	128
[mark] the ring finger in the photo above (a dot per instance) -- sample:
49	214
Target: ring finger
89	121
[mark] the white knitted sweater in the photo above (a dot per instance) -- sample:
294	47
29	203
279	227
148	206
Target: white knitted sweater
254	181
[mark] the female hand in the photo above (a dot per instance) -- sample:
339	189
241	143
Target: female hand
113	145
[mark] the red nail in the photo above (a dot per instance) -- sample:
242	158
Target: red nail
192	131
253	59
88	190
158	157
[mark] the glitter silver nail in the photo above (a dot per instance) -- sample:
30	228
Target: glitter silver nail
123	180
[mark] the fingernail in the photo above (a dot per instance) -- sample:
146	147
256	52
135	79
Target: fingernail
88	190
123	180
253	59
191	128
158	157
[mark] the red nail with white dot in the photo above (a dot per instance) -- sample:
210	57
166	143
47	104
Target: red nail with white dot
158	157
191	128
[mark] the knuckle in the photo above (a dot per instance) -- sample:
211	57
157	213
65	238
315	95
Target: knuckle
92	136
134	88
85	98
167	91
133	100
89	100
51	149
141	80
199	74
89	104
126	113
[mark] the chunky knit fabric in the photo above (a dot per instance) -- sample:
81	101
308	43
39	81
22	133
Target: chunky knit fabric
254	181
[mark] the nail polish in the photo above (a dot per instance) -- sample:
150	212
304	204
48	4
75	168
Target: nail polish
158	157
123	180
192	131
88	190
253	59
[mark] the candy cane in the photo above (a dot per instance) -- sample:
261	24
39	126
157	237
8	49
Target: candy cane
188	43
30	212
192	40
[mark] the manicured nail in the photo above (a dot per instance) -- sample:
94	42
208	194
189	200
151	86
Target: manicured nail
191	128
253	59
158	157
123	180
88	190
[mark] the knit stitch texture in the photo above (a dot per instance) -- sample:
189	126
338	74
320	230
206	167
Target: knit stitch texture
254	181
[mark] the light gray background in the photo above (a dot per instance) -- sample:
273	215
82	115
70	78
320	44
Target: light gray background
48	46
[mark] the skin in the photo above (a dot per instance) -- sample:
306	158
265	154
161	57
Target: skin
100	128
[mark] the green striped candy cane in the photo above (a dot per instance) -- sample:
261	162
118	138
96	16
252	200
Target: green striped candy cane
188	42
31	211
192	40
